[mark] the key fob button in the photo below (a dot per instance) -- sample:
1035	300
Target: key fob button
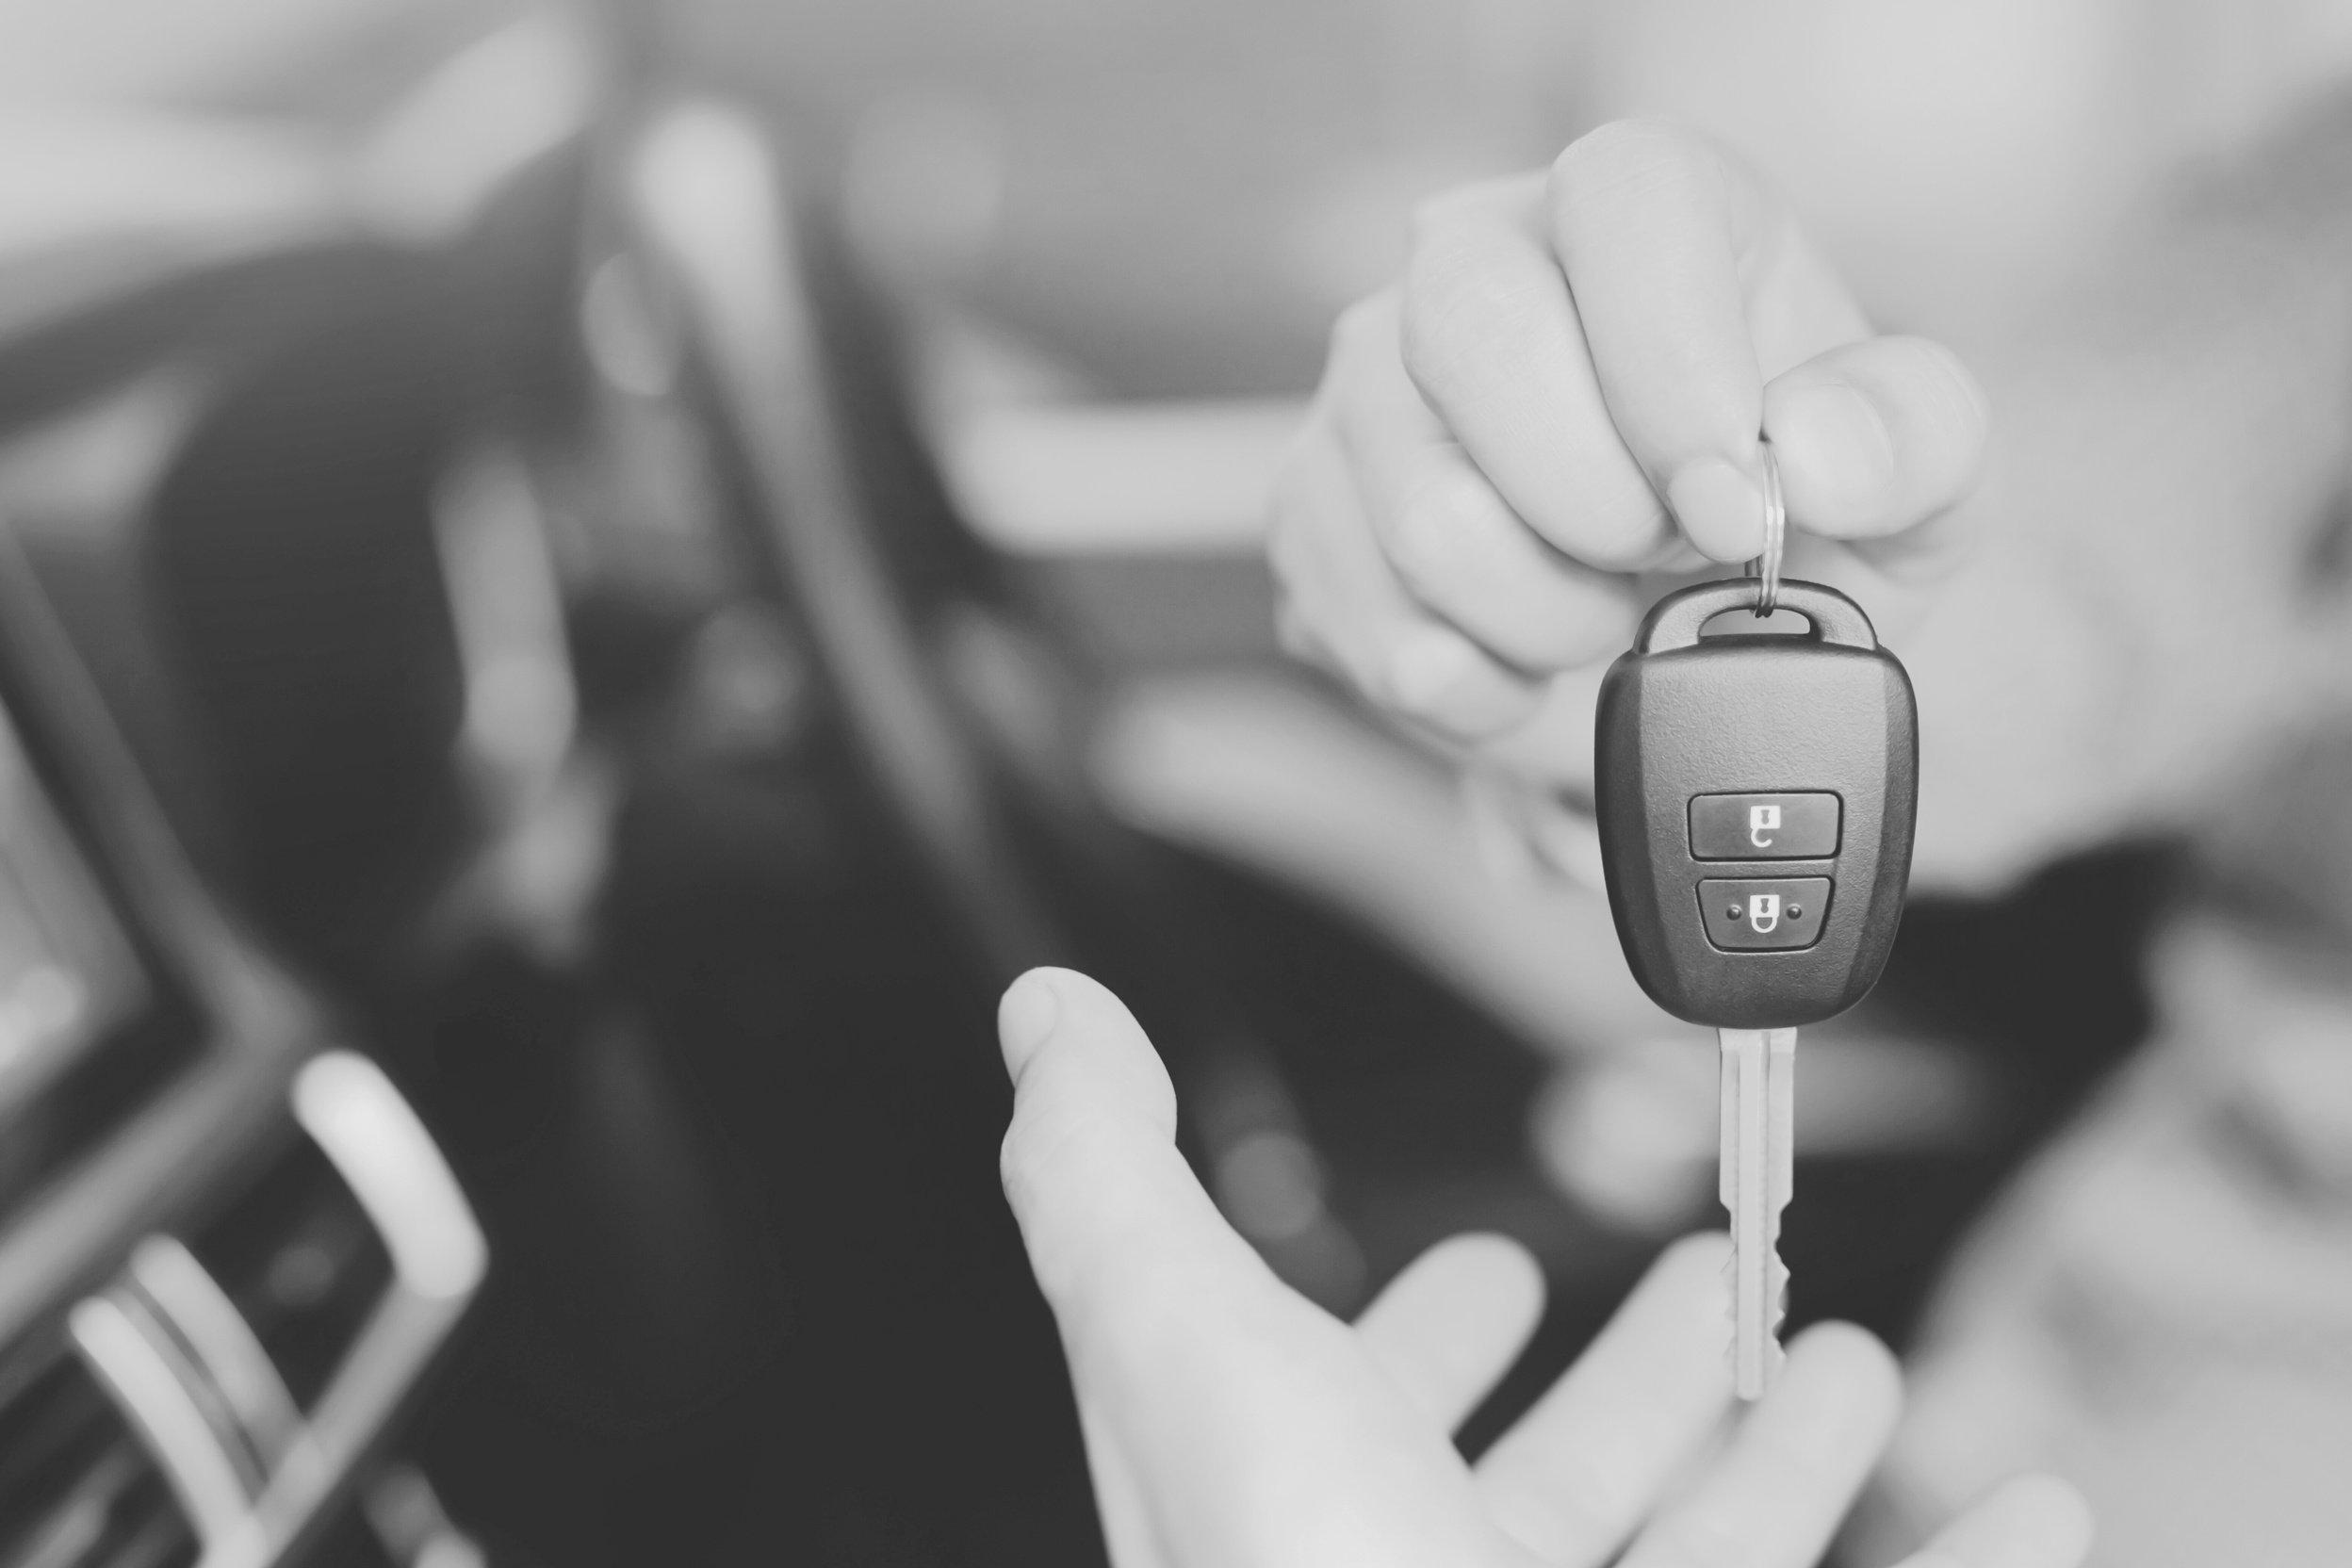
1764	828
1781	914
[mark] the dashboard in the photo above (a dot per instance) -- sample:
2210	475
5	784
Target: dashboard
229	1249
79	1019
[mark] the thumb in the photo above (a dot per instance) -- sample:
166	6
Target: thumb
1875	438
1230	1420
1089	1162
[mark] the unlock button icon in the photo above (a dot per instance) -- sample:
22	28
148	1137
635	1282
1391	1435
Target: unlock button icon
1797	826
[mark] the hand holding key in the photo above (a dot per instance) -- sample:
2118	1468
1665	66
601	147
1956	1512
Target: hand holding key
1572	390
1565	393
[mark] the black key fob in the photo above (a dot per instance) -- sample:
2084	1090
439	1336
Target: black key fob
1756	793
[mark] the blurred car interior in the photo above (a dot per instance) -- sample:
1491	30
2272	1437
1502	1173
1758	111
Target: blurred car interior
550	675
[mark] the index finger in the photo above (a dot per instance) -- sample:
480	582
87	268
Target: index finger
1579	1473
1448	1326
1661	236
1776	1495
1491	340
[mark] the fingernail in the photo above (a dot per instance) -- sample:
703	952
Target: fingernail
1425	669
1837	434
1026	1018
1719	508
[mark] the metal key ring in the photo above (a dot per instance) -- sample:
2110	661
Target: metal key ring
1766	568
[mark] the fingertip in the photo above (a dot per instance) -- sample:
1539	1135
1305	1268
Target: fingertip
1875	438
1719	508
2029	1521
1088	1002
1505	1273
1830	437
1090	1095
1478	1283
1453	1320
1855	1363
1628	152
1296	635
1700	1254
2053	1512
1027	1016
1110	1214
1696	1266
1849	1346
1108	1060
1688	1287
1653	225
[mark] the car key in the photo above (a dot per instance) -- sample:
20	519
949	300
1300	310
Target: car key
1754	795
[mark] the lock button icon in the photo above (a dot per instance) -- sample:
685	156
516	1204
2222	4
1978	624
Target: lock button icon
1777	915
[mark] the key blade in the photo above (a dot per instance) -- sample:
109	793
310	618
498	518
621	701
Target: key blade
1780	1071
1757	1164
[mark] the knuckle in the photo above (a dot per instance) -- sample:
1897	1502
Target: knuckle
1630	147
1282	542
1477	202
1449	207
1289	498
1646	160
1567	1512
1447	268
1043	1154
1027	1140
1619	533
1297	636
1294	562
1332	643
1601	1506
1433	215
1361	329
1434	539
1016	1162
1461	311
1425	541
1307	499
1036	1138
1459	696
1698	1542
1461	726
1433	699
1356	650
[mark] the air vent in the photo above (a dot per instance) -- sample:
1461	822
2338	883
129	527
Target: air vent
77	1490
299	1260
219	1396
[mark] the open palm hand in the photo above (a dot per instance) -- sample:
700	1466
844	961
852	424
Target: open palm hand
1232	1423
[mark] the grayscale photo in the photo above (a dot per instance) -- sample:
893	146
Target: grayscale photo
1176	784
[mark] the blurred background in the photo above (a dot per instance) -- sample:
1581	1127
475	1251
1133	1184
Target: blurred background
652	555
